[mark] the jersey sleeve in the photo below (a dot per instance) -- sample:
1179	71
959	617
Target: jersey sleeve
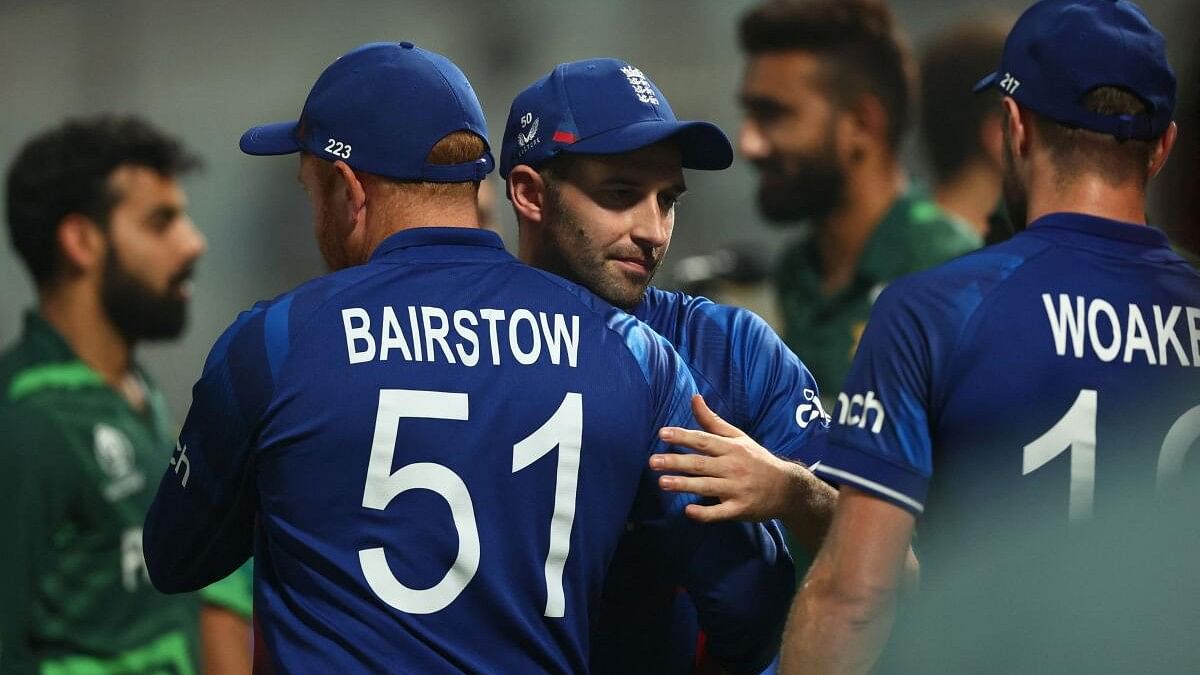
200	527
38	476
781	398
880	441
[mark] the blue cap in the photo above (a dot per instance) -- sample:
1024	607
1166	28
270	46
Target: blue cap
602	107
1060	50
381	108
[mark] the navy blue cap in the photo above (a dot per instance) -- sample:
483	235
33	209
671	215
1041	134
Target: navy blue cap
602	107
381	108
1060	50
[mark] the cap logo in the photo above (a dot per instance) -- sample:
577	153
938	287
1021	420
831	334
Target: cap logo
528	138
641	85
1009	83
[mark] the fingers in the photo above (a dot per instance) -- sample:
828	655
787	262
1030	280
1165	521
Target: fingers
713	514
704	486
699	441
710	421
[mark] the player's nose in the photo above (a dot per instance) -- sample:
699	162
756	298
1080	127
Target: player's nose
751	142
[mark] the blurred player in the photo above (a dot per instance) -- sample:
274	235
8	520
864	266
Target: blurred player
98	217
594	159
962	132
433	450
1034	382
826	94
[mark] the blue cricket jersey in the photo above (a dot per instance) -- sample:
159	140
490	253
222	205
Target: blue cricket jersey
431	456
753	381
1035	381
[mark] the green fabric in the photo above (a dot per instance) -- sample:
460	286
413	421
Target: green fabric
55	375
824	330
235	592
168	654
79	468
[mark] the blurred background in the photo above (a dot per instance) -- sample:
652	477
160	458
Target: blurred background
207	71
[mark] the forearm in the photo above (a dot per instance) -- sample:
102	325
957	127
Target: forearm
830	632
808	509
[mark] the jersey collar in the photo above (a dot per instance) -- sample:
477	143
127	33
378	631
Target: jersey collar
438	236
1095	226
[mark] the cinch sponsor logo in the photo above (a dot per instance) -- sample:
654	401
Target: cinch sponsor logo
853	411
807	413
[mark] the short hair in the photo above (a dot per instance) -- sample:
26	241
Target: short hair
857	39
65	170
951	114
1074	150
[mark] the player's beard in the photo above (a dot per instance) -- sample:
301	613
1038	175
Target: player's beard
1016	198
137	311
568	251
801	187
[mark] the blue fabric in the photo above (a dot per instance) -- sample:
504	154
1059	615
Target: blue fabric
963	367
279	464
752	380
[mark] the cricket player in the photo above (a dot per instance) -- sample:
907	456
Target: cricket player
433	450
1032	382
96	213
594	159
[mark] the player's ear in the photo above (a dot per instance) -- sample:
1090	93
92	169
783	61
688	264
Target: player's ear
81	243
527	192
1162	149
1017	124
354	195
862	125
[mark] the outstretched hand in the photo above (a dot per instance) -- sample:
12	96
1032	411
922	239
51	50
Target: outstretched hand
750	482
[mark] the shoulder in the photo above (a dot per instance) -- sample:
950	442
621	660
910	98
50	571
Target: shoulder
948	295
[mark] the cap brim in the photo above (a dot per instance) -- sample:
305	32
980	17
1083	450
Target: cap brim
986	83
277	138
703	145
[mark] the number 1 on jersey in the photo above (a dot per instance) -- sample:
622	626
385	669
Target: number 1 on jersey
1076	431
565	430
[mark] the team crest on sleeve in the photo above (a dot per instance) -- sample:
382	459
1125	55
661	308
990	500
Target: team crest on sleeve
116	459
641	85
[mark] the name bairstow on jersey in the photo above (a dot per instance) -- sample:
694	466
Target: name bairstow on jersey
463	336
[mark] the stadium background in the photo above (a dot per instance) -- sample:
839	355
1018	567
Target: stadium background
207	71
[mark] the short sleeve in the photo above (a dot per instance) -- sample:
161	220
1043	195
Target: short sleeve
880	440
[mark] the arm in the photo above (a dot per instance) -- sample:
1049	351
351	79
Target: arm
842	616
225	624
200	527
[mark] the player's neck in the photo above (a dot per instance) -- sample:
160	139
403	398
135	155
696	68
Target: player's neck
845	231
383	223
1087	194
971	195
75	311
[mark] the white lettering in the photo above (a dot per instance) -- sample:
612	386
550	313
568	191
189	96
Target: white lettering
1105	353
514	323
393	337
1193	325
361	332
1166	334
462	317
437	334
1064	322
1138	337
560	335
491	316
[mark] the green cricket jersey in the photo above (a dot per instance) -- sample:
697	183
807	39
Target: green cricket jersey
823	330
78	470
